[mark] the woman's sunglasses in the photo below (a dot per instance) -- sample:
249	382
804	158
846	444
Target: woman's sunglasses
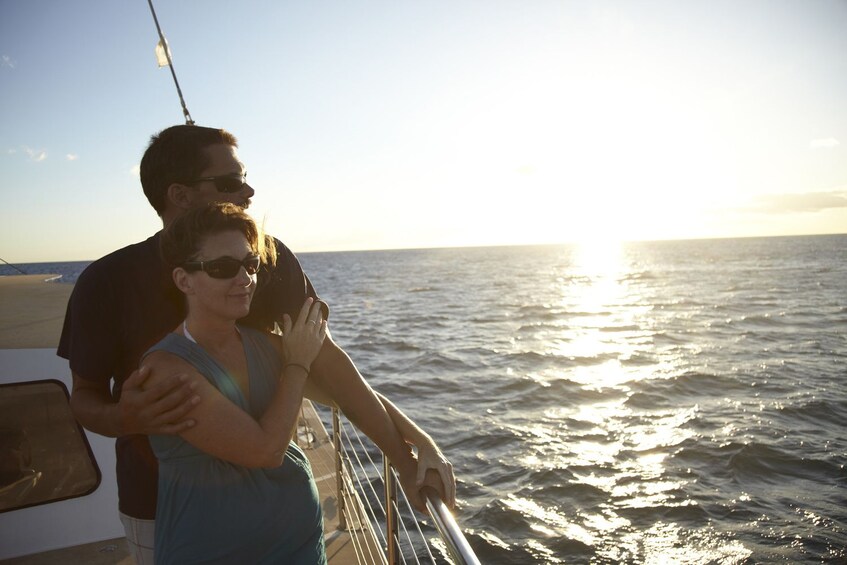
224	267
225	183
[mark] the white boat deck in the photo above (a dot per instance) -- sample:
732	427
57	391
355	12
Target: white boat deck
31	316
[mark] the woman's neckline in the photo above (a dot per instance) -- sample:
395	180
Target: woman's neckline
190	337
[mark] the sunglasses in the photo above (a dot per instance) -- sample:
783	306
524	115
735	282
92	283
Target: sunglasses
225	183
224	267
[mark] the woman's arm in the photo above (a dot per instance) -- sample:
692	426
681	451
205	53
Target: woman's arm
227	432
224	430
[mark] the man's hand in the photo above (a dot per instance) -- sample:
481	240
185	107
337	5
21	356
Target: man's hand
413	487
432	462
406	473
158	409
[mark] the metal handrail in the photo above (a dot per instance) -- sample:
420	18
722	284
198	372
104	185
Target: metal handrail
457	545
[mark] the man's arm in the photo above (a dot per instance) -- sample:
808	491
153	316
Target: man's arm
159	409
429	455
337	376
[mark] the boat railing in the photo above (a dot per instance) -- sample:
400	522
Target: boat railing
371	504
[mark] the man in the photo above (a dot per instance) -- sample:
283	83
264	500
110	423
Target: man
125	302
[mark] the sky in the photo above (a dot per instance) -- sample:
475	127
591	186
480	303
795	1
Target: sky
398	124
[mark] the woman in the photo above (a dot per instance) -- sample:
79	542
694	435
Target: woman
233	488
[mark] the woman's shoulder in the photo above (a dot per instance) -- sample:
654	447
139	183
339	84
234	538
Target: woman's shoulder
171	343
257	335
166	353
265	342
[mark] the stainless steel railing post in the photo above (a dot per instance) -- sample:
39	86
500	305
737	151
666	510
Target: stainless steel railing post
339	470
452	536
391	519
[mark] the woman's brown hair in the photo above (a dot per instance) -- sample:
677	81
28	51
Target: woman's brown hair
181	241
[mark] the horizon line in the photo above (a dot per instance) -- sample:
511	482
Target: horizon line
493	246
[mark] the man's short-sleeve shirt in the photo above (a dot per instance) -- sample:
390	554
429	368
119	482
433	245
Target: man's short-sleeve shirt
123	304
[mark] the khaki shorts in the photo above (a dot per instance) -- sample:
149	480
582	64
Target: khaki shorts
140	536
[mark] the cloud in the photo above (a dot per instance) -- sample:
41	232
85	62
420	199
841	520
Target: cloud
824	143
36	155
135	171
8	62
798	202
71	157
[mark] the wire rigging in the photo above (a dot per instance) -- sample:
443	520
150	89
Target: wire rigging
185	112
13	266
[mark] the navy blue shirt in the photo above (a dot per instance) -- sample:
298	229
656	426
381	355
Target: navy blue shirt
123	304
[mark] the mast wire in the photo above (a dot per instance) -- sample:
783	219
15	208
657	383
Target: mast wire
14	267
188	120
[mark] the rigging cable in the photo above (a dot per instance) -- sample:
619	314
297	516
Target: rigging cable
15	268
188	120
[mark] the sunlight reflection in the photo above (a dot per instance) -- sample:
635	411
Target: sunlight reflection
604	314
662	431
668	543
555	523
603	327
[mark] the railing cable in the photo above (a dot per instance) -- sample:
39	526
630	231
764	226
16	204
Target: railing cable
361	503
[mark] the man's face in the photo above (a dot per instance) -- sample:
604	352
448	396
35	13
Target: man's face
223	162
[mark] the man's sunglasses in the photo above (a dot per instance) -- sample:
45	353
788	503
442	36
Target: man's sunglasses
224	267
225	183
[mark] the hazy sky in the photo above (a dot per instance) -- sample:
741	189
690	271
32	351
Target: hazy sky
448	122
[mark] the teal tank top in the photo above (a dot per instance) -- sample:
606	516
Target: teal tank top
212	511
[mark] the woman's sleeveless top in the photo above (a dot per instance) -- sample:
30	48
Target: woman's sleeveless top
213	511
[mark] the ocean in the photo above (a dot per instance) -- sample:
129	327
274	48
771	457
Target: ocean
662	402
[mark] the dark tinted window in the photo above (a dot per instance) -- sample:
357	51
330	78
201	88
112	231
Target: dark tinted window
44	454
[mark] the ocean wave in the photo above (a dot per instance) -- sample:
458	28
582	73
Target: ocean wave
817	412
533	360
623	328
766	463
424	289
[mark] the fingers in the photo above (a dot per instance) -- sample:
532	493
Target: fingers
177	402
170	386
175	429
448	479
444	473
316	313
161	408
302	339
304	310
172	420
416	499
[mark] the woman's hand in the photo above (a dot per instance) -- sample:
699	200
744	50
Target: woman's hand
302	339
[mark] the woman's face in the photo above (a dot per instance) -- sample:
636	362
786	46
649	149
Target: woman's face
227	298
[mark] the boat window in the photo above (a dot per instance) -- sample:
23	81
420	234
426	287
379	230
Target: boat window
44	454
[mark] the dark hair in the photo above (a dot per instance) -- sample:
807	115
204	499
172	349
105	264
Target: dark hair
177	154
182	239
